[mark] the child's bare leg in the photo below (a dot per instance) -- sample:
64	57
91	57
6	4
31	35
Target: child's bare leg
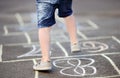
71	28
44	39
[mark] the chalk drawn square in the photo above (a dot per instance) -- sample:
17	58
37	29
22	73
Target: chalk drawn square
81	66
12	52
115	59
84	26
95	46
27	52
20	29
81	25
13	39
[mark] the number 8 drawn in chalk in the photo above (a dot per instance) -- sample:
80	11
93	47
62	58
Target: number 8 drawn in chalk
75	66
94	46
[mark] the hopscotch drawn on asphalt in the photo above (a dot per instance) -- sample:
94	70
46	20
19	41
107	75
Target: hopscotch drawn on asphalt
89	46
75	64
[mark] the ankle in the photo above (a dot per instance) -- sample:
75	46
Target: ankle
45	59
74	43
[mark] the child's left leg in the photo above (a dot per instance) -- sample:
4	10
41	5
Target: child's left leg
65	11
71	28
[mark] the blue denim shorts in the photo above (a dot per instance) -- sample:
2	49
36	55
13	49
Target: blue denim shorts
46	12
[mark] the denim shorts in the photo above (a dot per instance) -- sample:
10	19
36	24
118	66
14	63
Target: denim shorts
46	12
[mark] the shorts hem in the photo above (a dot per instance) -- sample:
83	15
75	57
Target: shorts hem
44	26
66	15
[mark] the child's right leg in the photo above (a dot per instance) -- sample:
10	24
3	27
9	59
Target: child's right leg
44	39
45	15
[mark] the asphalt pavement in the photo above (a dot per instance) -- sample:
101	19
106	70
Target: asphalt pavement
98	31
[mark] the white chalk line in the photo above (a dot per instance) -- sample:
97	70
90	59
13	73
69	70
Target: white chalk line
116	39
86	28
1	51
28	37
21	44
91	23
36	72
96	38
28	53
32	53
63	49
90	38
19	60
13	33
59	57
82	35
5	30
112	63
19	19
34	61
113	76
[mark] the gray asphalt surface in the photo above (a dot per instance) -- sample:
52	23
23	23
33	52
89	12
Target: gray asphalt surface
98	30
